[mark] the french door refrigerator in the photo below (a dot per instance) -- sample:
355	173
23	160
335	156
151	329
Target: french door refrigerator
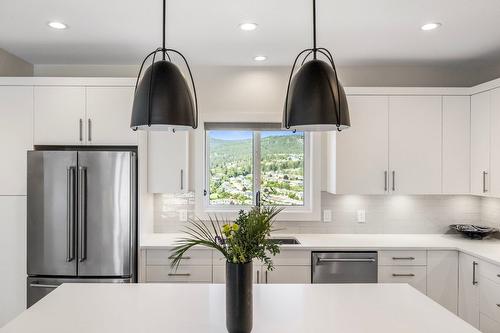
81	218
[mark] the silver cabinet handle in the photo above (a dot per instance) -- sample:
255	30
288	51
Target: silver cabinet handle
70	236
182	179
474	265
82	212
258	277
484	181
385	181
320	260
81	129
179	274
393	180
36	285
403	258
182	258
265	276
403	275
90	129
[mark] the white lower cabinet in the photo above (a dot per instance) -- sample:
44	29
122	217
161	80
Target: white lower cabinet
488	325
468	290
442	278
12	257
415	276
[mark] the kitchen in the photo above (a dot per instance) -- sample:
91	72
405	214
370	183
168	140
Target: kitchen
375	200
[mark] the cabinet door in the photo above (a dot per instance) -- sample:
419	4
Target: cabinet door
12	257
59	115
362	150
167	162
288	274
456	144
108	116
480	143
468	289
495	143
16	137
415	144
442	278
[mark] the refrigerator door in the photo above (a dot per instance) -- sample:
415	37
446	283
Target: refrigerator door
40	287
105	213
51	213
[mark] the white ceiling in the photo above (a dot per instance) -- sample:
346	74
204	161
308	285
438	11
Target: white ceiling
206	31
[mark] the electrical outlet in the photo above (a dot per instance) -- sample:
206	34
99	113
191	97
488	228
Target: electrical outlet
183	215
327	215
361	216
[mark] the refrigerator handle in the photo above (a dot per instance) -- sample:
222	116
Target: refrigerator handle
82	213
70	237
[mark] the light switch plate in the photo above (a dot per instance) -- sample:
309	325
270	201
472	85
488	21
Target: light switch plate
327	215
183	215
361	215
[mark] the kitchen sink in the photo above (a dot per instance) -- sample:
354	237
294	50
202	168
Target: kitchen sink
285	240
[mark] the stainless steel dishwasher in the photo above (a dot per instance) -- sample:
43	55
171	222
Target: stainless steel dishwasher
344	267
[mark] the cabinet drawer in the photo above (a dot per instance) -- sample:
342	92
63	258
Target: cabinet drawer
192	257
490	271
489	299
488	325
402	258
415	276
202	274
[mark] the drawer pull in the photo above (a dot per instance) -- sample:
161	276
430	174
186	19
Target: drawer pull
182	258
179	274
405	275
403	258
498	305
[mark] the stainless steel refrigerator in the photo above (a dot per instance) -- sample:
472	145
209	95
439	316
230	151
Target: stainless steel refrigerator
81	218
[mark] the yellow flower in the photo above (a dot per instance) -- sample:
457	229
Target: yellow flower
236	227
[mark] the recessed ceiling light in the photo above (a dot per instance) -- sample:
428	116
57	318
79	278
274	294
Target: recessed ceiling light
259	58
248	26
57	25
430	26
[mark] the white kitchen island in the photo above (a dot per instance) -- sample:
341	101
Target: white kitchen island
196	308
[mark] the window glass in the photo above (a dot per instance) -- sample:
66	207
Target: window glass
230	163
282	168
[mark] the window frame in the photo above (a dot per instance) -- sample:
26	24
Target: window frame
256	149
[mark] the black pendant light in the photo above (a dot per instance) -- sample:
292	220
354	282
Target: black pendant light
163	100
315	99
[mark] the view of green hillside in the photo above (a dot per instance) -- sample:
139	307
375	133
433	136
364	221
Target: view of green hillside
282	168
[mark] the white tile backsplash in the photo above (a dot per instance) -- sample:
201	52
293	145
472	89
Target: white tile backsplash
393	214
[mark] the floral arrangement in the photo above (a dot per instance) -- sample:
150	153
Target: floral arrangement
240	241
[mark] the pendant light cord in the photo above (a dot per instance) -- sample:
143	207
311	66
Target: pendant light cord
314	30
164	28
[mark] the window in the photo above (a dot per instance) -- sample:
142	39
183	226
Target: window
245	162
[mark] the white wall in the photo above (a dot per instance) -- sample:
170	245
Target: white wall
10	65
446	75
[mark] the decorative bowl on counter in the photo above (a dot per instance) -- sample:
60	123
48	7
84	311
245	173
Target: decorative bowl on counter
473	231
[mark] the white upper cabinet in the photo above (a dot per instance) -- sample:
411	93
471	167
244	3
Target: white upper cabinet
494	179
59	115
168	162
362	150
480	143
108	116
16	137
415	144
456	144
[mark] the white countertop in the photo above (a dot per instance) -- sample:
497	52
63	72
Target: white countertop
184	308
488	250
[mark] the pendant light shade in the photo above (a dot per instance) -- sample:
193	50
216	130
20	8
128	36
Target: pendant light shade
315	99
163	99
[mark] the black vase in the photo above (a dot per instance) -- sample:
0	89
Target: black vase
239	298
